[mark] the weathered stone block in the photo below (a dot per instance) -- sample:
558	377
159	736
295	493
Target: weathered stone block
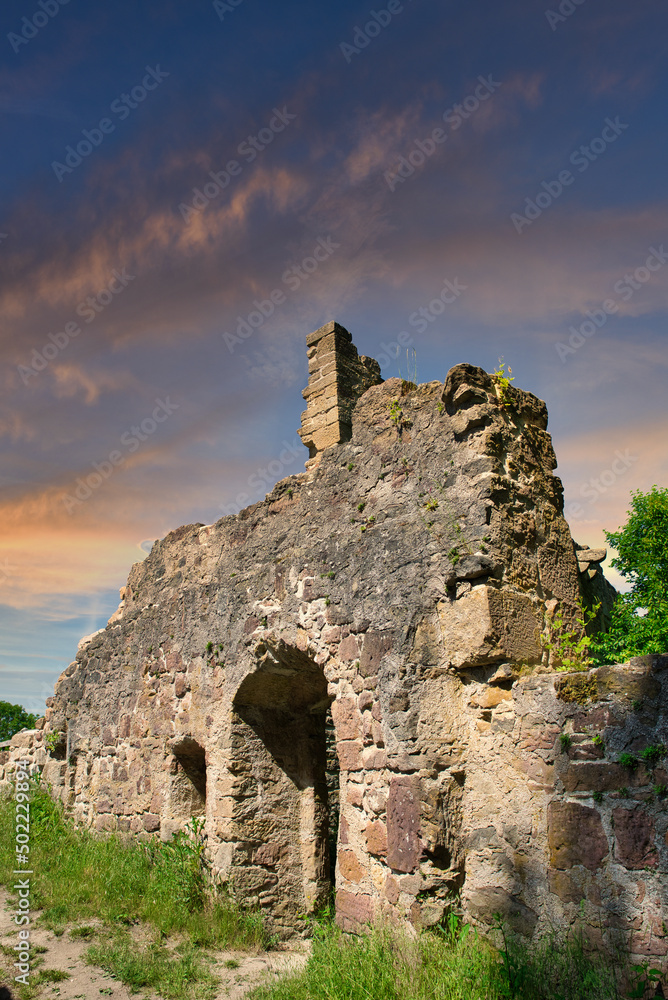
353	910
634	838
349	867
575	835
151	823
563	886
403	824
484	903
487	625
350	755
376	644
347	719
375	835
591	776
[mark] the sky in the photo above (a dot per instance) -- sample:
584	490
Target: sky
450	181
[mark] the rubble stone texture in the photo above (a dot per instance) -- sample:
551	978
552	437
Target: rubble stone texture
382	610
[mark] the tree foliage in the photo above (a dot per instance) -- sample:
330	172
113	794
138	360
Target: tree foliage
639	622
13	718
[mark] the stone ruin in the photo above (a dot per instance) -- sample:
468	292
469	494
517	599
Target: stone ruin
349	682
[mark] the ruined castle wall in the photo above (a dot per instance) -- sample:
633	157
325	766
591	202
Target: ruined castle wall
403	582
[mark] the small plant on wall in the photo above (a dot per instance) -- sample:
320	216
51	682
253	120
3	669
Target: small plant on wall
502	380
567	643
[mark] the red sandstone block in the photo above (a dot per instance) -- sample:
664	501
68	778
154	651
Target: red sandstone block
634	838
403	824
349	650
376	838
539	772
543	738
592	776
376	644
575	836
350	755
349	867
365	701
374	759
391	890
354	795
347	719
267	854
563	886
353	910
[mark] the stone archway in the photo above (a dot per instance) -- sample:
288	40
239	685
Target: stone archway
279	810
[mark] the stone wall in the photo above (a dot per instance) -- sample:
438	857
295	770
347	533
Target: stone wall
402	585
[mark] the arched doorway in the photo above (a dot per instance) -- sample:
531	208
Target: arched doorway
280	804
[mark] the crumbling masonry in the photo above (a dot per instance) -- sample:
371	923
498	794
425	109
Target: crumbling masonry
358	659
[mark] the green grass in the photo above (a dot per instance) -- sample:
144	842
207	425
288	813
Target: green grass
454	964
79	876
182	975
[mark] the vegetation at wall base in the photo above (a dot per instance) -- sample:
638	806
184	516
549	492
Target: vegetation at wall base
114	883
449	963
639	621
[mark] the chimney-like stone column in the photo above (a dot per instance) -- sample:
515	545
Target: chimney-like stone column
338	376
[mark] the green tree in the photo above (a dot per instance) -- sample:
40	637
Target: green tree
13	718
639	622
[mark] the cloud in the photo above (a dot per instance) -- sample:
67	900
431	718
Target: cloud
71	380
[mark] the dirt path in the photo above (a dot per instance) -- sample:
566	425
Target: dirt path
86	981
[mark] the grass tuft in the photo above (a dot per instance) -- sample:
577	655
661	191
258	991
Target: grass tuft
451	963
181	975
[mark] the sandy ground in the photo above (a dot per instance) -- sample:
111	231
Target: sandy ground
87	982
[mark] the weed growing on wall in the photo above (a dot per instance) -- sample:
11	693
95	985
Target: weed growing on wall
566	643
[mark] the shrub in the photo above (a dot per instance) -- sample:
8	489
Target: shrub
639	620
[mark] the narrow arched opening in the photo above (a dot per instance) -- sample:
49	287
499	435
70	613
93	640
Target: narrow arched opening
187	786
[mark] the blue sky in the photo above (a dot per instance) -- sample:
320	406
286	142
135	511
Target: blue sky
516	151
